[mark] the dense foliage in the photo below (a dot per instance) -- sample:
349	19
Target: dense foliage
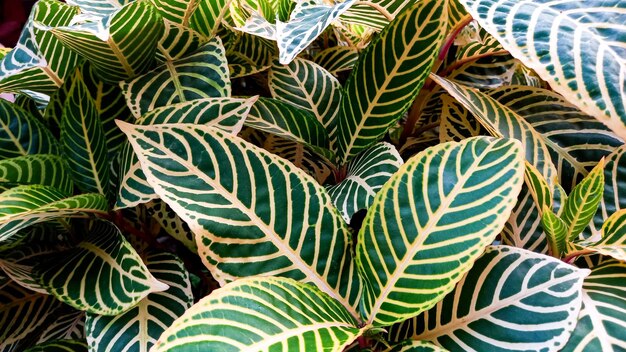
278	175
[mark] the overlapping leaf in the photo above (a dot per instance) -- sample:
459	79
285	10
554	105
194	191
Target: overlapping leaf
22	134
373	13
40	169
613	242
177	41
523	228
582	203
337	59
263	314
240	194
388	76
208	15
171	223
431	220
68	324
614	188
99	8
511	300
416	346
18	264
249	54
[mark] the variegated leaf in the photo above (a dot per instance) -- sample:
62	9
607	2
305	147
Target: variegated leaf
22	134
39	169
150	317
556	232
574	45
378	92
613	242
98	7
511	300
60	346
523	228
264	314
201	74
240	194
18	264
431	220
68	324
208	15
583	201
337	59
374	13
171	223
416	346
249	54
177	41
299	155
366	175
457	123
614	188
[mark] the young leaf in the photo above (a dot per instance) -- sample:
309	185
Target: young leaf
555	230
235	195
511	300
262	314
388	76
76	276
523	228
431	220
150	317
575	46
40	169
583	202
613	242
22	134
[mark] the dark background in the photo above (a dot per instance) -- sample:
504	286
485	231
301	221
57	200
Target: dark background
13	14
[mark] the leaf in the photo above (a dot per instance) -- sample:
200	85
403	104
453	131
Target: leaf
22	134
601	324
375	14
201	74
378	92
60	346
511	300
18	264
208	15
431	220
613	241
307	21
249	54
523	228
68	324
84	142
105	42
556	232
574	46
150	317
40	169
171	223
583	201
99	8
416	346
538	187
614	197
177	41
337	59
265	314
76	276
240	194
23	206
366	175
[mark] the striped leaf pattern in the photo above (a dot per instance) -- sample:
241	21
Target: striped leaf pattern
601	324
177	41
337	59
457	123
75	276
60	346
201	74
40	169
171	223
575	45
249	54
18	264
434	217
366	175
379	90
416	346
614	188
582	203
264	314
240	194
150	317
105	43
613	242
99	8
523	228
176	11
556	232
208	15
511	300
300	156
68	324
307	21
22	134
375	14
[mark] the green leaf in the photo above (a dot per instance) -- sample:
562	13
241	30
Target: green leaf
583	201
416	346
431	220
60	346
263	314
538	186
302	157
18	264
457	123
366	175
613	242
555	230
337	59
177	41
98	7
150	317
171	223
23	206
201	74
76	276
68	324
511	300
375	14
575	46
601	324
22	134
84	142
105	42
208	15
614	188
379	91
240	194
523	228
39	169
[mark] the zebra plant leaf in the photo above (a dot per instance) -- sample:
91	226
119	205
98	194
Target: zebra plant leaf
375	14
18	264
201	74
583	201
227	114
171	223
299	155
99	8
218	196
23	206
75	276
556	232
613	242
366	175
105	42
60	346
434	217
377	93
22	134
208	15
614	194
601	324
256	307
575	46
150	317
39	169
538	186
513	299
337	59
177	41
84	141
68	324
416	346
457	123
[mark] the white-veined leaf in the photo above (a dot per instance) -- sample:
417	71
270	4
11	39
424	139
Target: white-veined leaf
431	220
614	188
18	264
60	346
337	59
171	223
231	192
613	242
208	15
99	7
574	45
22	134
582	203
416	346
374	13
68	324
177	41
523	228
555	230
39	169
248	54
511	300
262	314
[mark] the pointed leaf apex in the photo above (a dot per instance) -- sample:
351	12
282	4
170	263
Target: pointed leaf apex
158	286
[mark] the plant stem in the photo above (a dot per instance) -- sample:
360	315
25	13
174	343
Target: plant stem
571	256
447	44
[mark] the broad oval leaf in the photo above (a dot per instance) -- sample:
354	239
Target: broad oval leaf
235	195
574	45
22	134
431	220
262	314
379	91
511	300
39	169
